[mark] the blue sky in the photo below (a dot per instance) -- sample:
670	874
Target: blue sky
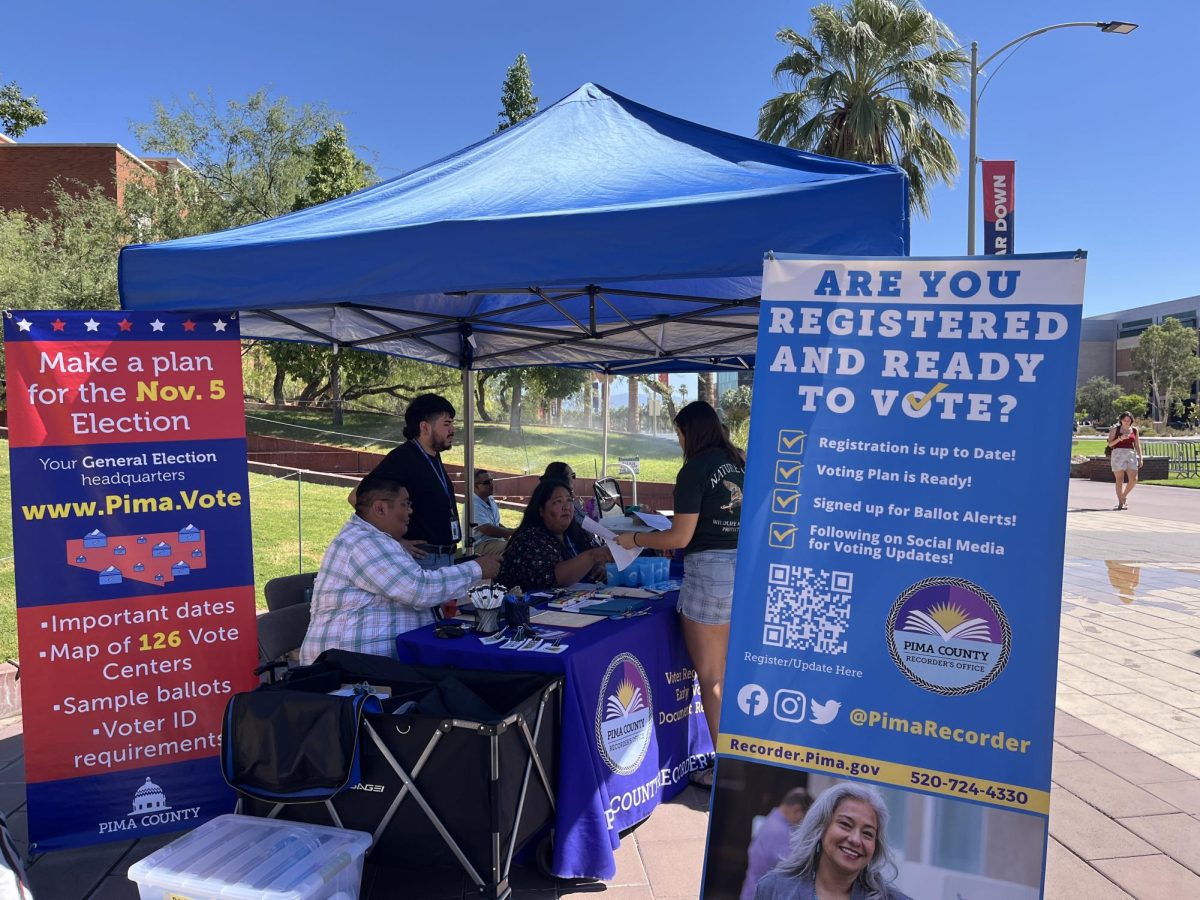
1103	128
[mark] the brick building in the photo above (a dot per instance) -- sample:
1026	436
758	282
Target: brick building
27	171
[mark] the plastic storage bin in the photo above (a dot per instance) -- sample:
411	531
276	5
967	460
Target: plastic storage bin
243	857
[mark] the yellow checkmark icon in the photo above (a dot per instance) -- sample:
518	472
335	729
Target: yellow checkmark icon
918	405
780	533
791	441
785	501
787	472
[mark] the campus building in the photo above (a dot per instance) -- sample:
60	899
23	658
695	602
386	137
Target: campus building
27	171
1107	341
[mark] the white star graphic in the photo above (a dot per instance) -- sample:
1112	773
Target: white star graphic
157	325
219	324
92	324
24	324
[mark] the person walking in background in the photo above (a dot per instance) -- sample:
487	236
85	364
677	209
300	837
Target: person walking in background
490	537
708	509
771	839
840	849
434	532
1126	457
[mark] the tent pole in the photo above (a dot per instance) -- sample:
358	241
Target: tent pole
335	385
468	380
604	404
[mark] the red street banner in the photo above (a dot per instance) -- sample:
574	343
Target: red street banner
998	206
134	576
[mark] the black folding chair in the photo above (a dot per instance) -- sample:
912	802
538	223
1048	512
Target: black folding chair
280	632
608	495
289	590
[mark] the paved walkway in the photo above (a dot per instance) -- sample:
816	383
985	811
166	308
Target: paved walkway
1125	817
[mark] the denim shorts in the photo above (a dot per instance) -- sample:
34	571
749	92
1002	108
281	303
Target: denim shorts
1124	458
707	593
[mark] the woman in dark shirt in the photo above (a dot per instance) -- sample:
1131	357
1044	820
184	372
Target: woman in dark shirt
708	509
549	550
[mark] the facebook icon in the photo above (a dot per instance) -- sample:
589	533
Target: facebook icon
752	700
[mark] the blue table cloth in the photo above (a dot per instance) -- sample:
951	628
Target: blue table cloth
632	724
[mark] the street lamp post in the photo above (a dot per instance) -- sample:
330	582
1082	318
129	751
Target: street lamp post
976	68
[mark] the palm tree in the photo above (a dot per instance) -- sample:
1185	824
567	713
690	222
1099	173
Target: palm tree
870	85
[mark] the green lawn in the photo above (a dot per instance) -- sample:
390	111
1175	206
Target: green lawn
495	447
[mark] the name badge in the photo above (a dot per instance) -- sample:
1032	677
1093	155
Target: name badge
455	533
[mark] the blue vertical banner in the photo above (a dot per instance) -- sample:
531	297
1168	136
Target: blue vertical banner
896	610
134	575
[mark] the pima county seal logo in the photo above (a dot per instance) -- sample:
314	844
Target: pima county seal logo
948	636
624	715
149	799
150	810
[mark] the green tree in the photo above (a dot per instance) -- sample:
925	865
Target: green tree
1165	360
333	169
1134	404
538	383
1096	399
18	113
253	154
871	84
517	101
736	405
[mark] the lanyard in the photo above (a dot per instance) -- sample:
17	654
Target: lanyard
570	546
438	471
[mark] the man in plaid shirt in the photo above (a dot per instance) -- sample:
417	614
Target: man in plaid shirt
369	589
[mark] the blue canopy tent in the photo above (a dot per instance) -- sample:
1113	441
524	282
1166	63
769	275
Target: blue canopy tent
599	233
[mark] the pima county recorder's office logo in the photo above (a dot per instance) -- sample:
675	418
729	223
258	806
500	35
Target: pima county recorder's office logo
624	714
948	636
149	798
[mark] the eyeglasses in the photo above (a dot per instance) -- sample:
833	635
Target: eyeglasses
489	481
571	475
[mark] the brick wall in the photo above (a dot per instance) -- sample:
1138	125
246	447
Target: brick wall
27	171
512	487
1098	468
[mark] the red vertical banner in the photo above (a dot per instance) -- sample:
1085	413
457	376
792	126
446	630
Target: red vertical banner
999	206
134	575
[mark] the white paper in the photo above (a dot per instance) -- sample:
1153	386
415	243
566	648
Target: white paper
620	555
654	520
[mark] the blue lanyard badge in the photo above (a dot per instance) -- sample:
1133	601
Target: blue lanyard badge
439	472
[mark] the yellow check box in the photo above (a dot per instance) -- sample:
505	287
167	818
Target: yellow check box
791	441
782	536
786	502
787	471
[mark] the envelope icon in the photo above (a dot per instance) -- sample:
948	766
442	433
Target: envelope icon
791	440
787	502
788	471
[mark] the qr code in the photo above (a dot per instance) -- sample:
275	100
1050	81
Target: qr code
807	609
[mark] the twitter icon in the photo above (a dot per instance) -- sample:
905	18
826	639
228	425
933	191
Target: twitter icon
823	713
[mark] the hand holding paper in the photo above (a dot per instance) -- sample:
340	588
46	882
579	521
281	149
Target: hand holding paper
654	520
620	555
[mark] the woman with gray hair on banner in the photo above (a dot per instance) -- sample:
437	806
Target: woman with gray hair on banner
839	851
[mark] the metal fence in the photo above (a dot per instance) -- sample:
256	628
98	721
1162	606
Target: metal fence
1183	453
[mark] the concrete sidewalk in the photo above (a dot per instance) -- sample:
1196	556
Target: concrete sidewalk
1125	817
